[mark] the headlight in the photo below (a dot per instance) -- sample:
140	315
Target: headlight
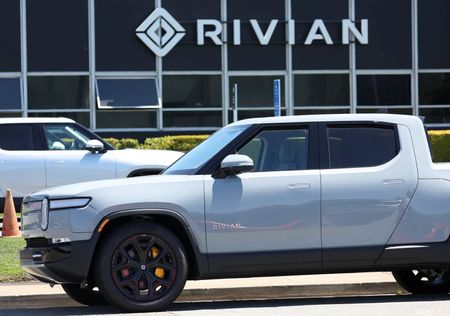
44	214
69	203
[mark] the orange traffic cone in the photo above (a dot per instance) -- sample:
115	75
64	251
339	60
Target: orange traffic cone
10	225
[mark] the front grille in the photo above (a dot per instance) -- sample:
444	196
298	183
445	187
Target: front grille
38	242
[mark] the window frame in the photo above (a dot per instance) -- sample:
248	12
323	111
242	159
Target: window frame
324	146
103	107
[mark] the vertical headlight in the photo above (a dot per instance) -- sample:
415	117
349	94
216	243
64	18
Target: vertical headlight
44	214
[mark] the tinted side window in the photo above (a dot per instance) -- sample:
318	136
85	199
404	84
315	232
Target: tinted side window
352	146
278	150
16	137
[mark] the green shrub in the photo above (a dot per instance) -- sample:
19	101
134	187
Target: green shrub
113	141
129	143
180	143
440	145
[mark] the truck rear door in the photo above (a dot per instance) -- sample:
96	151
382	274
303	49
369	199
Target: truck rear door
368	175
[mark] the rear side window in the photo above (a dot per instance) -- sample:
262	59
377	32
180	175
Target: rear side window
16	137
353	146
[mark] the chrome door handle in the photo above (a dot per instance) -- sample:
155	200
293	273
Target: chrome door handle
299	186
393	181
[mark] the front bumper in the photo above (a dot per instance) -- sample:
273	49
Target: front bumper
58	263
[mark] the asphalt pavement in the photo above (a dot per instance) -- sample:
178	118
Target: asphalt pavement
40	295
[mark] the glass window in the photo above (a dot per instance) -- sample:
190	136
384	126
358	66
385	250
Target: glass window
384	89
278	150
201	57
10	94
16	137
246	114
116	45
321	89
318	55
126	119
389	34
10	35
201	154
196	91
435	115
324	111
385	110
79	117
256	91
250	54
127	93
433	26
64	137
358	145
193	119
58	92
434	88
57	35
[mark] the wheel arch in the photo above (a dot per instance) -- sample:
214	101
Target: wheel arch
197	263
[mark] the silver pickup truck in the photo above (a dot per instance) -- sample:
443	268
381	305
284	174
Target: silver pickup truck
260	197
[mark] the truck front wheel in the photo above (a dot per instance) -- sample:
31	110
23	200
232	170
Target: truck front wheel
424	281
141	266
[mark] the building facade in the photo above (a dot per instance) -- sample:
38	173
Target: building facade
146	67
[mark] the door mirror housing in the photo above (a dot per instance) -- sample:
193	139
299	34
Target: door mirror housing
95	146
234	164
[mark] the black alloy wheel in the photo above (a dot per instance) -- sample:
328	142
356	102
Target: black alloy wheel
424	281
141	267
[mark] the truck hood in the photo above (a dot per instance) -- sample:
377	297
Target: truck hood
94	187
144	158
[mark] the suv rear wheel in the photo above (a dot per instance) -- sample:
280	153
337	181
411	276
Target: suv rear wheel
424	281
141	267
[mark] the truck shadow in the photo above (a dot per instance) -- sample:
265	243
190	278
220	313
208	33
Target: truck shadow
229	305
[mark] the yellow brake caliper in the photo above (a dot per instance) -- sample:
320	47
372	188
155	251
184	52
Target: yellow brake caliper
159	272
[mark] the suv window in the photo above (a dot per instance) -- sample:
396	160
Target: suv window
358	145
64	137
278	150
16	137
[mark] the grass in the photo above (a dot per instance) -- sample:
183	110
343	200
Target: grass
10	270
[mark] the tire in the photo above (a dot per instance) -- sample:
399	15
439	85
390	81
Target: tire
86	296
135	256
425	281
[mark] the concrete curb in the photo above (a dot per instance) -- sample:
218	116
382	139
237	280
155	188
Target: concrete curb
226	294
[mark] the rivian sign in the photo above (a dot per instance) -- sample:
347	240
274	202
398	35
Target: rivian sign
161	32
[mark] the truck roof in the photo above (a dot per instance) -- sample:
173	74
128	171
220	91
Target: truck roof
389	118
28	120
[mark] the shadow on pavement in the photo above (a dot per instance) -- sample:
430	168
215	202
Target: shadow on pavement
180	307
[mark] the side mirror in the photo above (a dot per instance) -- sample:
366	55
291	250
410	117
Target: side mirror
234	164
95	146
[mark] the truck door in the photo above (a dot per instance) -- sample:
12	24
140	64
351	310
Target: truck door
368	175
268	219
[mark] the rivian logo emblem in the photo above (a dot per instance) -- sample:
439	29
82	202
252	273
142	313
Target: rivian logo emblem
160	32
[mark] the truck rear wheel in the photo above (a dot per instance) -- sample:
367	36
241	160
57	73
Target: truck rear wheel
424	281
141	266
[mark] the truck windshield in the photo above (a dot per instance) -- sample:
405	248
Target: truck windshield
197	157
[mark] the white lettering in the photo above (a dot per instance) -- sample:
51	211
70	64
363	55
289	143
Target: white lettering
213	34
323	34
291	32
264	38
237	32
349	27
